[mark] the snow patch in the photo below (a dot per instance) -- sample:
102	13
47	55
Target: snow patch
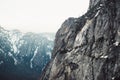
35	52
9	54
14	39
48	53
15	60
15	48
20	44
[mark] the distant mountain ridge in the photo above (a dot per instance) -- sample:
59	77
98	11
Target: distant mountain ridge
23	55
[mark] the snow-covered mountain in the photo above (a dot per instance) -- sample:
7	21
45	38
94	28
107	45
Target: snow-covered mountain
23	55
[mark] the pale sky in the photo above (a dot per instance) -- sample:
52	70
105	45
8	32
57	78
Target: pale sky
39	15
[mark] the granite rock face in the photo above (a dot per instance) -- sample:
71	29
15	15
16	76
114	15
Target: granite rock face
88	47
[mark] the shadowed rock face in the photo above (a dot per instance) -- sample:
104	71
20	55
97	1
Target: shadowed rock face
88	47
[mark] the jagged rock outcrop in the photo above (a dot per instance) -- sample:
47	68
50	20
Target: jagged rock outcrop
23	56
88	47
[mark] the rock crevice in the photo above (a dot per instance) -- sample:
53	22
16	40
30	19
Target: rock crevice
87	48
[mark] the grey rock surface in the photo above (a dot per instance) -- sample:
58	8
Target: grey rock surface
88	47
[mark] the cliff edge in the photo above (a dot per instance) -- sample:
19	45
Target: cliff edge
88	47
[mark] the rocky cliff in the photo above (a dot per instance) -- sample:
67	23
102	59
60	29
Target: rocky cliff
88	47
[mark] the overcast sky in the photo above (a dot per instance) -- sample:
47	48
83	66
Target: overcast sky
39	15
